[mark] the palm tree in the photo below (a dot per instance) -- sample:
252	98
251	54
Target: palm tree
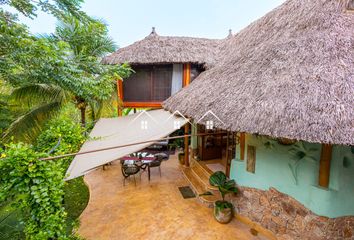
57	70
39	102
89	43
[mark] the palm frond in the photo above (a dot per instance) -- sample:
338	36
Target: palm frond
38	93
28	126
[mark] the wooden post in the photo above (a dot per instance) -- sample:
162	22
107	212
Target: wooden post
325	165
242	146
186	74
186	145
227	169
119	96
186	81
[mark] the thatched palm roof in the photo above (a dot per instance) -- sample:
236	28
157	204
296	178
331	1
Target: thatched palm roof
155	49
290	74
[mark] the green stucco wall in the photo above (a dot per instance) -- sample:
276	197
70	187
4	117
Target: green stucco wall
273	169
194	138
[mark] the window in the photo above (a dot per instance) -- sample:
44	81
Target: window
162	82
195	71
148	84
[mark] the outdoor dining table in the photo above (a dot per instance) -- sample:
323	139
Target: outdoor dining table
140	161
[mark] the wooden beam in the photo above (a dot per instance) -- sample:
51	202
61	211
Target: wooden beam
125	145
325	165
242	145
186	145
186	74
119	96
142	104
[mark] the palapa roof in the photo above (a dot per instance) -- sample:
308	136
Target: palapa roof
155	49
290	74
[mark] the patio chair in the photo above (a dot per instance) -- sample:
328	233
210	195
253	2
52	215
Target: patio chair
155	163
129	170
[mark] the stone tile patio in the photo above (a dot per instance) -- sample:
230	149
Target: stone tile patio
150	210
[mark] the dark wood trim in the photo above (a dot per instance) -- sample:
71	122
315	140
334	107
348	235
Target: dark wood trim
227	168
325	165
142	104
242	145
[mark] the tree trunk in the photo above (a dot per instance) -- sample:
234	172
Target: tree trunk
83	116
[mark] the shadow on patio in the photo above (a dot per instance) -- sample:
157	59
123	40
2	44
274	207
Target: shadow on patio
150	210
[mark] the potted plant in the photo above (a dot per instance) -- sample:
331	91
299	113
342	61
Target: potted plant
181	158
178	144
223	210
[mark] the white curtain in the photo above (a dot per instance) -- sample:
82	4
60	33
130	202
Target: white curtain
177	78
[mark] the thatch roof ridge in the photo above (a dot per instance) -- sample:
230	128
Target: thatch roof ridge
154	49
289	74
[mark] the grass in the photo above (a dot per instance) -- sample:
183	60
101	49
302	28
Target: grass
10	225
75	201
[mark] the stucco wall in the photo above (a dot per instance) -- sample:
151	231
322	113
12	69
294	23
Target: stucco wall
273	169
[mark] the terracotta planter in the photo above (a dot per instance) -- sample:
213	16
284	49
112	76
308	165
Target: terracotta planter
223	215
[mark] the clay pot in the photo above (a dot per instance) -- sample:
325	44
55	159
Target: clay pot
223	211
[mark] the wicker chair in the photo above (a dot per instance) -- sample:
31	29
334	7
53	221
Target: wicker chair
129	170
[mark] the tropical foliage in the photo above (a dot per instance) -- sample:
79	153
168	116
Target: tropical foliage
48	73
58	8
42	78
89	43
225	186
36	187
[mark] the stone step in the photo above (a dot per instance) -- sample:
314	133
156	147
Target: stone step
199	188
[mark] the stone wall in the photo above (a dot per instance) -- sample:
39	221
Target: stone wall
289	219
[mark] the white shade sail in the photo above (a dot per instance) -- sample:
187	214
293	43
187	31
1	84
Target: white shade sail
111	132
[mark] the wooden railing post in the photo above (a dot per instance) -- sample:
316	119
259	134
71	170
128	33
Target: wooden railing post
186	145
186	81
119	97
325	165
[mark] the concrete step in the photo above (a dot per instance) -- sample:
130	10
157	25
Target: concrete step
203	176
199	188
205	168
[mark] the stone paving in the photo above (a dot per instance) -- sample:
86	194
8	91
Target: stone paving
150	210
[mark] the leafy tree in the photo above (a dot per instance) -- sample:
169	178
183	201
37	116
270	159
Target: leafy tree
38	70
58	8
89	43
47	74
6	115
